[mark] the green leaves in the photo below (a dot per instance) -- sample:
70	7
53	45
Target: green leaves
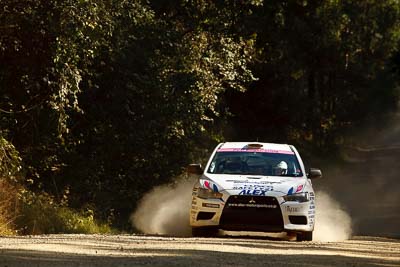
109	98
10	161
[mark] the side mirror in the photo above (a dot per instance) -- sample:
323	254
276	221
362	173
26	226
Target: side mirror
314	173
195	169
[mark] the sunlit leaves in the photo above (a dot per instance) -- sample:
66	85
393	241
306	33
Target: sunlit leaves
10	161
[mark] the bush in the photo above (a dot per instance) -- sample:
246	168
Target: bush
8	207
41	214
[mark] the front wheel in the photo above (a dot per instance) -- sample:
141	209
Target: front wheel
304	236
204	231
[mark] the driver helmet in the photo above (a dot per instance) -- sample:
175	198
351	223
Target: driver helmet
281	168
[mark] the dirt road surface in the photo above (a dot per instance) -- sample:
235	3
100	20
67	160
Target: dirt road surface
137	250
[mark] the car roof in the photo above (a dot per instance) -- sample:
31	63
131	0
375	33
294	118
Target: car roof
268	146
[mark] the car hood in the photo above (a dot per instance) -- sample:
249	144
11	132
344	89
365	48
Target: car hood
253	185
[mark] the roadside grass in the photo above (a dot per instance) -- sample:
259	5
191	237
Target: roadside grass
42	214
8	207
25	212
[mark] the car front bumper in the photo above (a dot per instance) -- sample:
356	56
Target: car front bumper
252	213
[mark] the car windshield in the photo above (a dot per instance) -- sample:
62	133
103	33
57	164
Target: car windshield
283	163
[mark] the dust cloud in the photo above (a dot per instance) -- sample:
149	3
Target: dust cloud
332	223
165	211
367	182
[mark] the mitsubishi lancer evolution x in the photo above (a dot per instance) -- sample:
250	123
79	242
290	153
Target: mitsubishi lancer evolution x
253	187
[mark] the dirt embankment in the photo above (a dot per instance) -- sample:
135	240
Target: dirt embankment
133	250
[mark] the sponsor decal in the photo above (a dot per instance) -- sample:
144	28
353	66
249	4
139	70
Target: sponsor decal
252	205
255	182
210	205
299	188
209	184
253	187
253	192
256	150
215	188
290	191
292	209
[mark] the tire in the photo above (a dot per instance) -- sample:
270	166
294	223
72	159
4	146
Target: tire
204	231
305	236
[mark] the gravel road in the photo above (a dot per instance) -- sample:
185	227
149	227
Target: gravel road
138	250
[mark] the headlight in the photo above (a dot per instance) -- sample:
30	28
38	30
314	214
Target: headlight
207	193
299	197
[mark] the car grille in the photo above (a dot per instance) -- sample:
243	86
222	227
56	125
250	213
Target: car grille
252	213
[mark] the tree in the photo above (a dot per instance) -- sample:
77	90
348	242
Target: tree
321	66
150	106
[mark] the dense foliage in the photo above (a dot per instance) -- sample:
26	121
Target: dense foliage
323	67
105	99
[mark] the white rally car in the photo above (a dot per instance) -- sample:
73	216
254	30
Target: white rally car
253	187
